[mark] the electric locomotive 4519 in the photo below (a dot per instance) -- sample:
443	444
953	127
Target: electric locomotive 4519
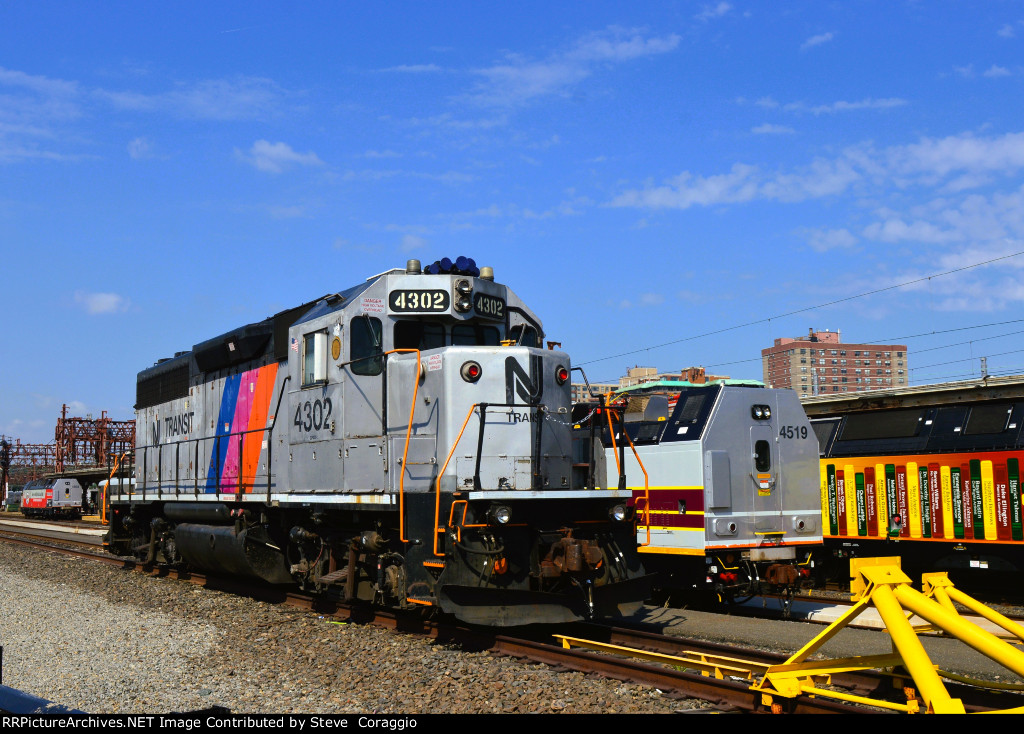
731	504
405	442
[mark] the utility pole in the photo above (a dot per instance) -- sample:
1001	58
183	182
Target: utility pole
5	468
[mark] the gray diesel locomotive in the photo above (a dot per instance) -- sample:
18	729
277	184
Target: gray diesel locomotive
406	442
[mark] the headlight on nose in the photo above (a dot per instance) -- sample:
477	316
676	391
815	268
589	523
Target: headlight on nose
618	513
561	374
499	515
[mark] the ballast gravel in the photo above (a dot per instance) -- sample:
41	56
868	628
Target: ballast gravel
104	640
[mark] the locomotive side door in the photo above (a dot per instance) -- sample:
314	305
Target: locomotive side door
365	450
315	417
764	473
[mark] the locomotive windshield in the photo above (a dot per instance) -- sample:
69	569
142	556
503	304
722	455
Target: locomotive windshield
475	335
432	335
419	335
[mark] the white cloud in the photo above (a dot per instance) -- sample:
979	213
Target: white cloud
38	84
412	242
994	72
710	12
414	68
959	153
745	183
823	240
288	212
928	162
896	230
817	40
518	80
140	148
844	106
101	303
210	99
768	129
1006	31
275	157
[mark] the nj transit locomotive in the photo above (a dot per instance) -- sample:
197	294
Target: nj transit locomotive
731	504
405	442
932	476
53	497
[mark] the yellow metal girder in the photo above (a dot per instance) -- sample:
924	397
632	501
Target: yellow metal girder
880	582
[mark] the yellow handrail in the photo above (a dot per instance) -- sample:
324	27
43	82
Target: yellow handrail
106	492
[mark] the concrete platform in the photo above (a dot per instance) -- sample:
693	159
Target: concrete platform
821	613
53	527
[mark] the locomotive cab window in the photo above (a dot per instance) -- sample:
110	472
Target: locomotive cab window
475	335
419	335
314	359
524	335
366	346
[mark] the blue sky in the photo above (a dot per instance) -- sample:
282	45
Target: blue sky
641	175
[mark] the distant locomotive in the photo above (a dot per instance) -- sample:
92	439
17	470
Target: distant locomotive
52	498
731	504
405	442
937	483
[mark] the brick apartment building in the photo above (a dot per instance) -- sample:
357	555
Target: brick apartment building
821	363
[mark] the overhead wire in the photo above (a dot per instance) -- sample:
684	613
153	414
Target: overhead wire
768	319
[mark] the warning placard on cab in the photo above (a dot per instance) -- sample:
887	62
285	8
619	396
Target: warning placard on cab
373	305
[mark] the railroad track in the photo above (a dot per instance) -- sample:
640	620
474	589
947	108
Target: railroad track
719	674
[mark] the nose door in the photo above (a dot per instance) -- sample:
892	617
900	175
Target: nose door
765	477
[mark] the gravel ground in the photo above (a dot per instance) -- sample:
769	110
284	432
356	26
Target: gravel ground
104	640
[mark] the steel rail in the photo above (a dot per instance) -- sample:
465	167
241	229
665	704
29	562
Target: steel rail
722	693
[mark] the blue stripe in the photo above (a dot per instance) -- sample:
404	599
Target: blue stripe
219	454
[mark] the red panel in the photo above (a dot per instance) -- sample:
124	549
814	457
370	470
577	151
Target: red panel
871	500
935	493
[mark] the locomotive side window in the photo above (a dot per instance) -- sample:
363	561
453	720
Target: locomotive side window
762	456
691	408
314	358
365	346
988	419
418	335
475	335
884	424
524	335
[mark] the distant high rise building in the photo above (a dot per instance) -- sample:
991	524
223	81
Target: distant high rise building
822	364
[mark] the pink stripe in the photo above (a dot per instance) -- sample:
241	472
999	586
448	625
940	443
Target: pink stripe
229	477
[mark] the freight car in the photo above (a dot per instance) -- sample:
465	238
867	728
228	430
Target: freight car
405	442
54	497
731	501
937	483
